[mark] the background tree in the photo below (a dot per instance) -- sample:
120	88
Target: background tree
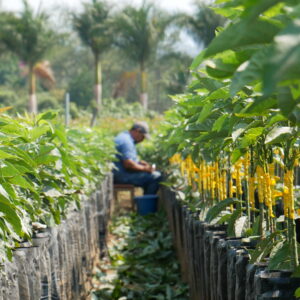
202	25
93	26
30	38
139	31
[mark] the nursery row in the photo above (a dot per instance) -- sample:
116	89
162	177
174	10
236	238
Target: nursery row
234	136
61	259
217	266
44	169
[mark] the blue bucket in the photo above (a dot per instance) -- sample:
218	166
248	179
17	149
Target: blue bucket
146	204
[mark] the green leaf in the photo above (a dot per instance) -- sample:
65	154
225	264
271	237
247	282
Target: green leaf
280	257
260	107
284	59
8	170
22	182
264	247
237	154
289	105
279	134
251	136
241	34
218	208
60	133
197	60
209	83
249	72
48	115
4	155
206	112
11	217
37	132
224	219
221	93
219	123
221	71
231	222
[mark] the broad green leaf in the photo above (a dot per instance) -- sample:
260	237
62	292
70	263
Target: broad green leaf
11	217
238	130
22	182
231	222
242	34
14	130
280	257
237	154
210	84
279	134
249	71
3	192
7	189
264	247
219	123
254	8
284	60
259	107
221	93
289	105
61	134
276	119
8	170
197	60
37	132
24	155
220	70
21	167
4	155
48	115
250	137
218	208
205	112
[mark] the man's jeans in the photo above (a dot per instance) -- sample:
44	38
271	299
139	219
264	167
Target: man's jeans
148	181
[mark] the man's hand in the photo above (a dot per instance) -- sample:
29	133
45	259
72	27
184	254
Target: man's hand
142	166
148	168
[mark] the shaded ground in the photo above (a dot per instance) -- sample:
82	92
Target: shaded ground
141	262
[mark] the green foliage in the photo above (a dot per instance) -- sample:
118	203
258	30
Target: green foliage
144	261
44	169
81	88
118	108
244	100
93	26
28	35
215	211
202	24
140	30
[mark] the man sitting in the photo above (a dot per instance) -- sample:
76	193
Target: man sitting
128	169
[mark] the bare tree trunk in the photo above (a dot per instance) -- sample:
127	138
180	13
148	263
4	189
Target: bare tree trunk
32	105
144	94
144	100
97	91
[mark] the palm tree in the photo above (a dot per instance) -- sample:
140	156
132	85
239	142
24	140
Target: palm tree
29	37
93	26
139	31
202	24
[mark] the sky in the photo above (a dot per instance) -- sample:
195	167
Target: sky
171	5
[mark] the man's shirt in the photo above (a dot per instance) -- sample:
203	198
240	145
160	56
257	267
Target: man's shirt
126	149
